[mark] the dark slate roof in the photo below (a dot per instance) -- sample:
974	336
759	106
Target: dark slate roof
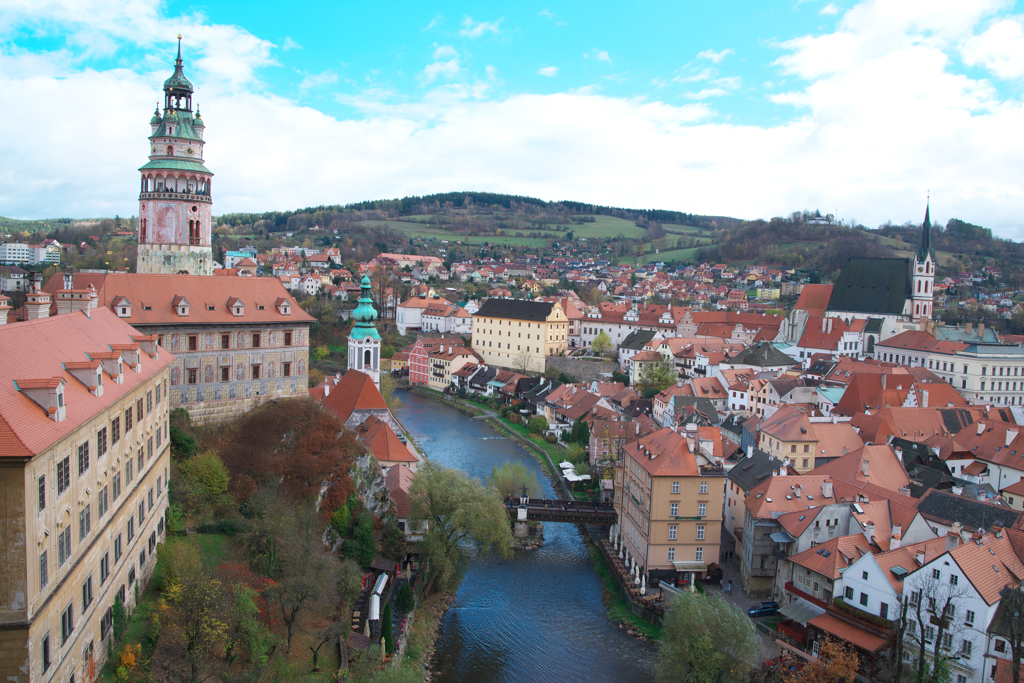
703	405
636	340
762	355
972	514
872	285
515	309
540	392
641	406
734	424
956	419
822	367
483	376
874	325
749	472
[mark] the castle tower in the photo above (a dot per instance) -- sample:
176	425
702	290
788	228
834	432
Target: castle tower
175	206
364	341
924	272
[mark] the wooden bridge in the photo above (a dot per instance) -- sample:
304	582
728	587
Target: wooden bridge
554	510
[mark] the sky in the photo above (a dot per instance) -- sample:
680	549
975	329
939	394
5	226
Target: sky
747	109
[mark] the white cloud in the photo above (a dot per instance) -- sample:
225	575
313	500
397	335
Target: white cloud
436	21
492	71
1000	49
830	8
470	29
888	116
290	44
311	81
445	65
716	57
705	93
545	13
599	55
548	71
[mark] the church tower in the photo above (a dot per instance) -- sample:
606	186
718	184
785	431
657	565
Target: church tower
364	341
175	206
924	272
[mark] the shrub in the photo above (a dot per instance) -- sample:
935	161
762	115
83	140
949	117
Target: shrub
386	630
551	438
537	425
340	520
183	446
406	599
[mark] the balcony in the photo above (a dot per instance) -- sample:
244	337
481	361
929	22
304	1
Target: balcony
793	590
186	196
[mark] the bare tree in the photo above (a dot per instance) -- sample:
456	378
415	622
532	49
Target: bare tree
521	362
933	606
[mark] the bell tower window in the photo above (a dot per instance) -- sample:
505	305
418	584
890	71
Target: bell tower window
142	229
170	150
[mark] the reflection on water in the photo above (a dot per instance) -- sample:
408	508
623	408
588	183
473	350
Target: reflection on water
535	617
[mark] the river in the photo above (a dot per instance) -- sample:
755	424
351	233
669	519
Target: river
538	616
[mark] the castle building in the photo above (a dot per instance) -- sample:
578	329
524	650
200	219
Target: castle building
175	203
84	458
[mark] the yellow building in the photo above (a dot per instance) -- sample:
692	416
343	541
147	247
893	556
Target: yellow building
445	361
669	499
83	486
520	335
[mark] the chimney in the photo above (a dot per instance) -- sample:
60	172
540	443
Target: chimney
823	324
981	495
869	532
924	398
970	329
981	330
899	453
798	490
750	449
957	490
37	304
679	382
830	325
864	464
826	489
782	471
919	557
69	280
1011	434
981	428
5	308
897	536
883	380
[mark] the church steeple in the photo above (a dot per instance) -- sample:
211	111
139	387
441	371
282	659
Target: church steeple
924	271
364	340
926	236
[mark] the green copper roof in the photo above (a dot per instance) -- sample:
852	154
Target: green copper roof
156	116
364	315
177	165
183	127
177	81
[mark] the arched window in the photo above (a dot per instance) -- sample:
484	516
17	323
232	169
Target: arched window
926	287
142	229
871	344
917	309
918	286
366	359
170	150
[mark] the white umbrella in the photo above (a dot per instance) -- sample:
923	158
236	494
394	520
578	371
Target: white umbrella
643	585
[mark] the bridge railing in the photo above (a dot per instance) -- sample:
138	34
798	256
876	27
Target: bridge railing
557	503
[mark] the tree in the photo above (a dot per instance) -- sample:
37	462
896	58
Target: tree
457	510
521	361
836	663
387	392
580	433
933	604
537	425
509	477
706	639
602	344
386	631
656	376
202	484
363	547
1013	608
320	353
350	584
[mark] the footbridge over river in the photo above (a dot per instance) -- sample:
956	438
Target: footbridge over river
554	510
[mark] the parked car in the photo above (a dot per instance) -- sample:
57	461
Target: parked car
768	608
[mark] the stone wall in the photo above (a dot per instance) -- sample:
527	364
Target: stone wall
582	370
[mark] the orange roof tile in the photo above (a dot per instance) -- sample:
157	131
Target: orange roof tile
848	632
842	552
671	456
397	480
383	442
354	391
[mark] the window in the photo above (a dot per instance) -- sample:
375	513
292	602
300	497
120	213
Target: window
969	618
63	546
46	653
700	532
965	647
131	529
192	374
255	340
193	342
672	532
1000	645
699	554
883	610
703	487
953	578
673	510
225	341
805	463
947	641
104	567
42	493
142	558
131	577
150	500
225	374
84	523
159	434
149	452
848	593
158	393
286	369
159	487
864	575
792	448
86	593
915	598
117	549
255	372
106	621
864	599
960	678
936	574
67	623
101	442
83	458
287	338
127	419
44	571
115	430
116	483
128	468
702	509
102	503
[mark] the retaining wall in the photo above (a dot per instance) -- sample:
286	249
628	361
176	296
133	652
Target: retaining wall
582	370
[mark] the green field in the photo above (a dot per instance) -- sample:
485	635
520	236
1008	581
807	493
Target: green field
676	229
673	255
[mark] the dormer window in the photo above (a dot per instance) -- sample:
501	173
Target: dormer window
236	306
48	394
181	306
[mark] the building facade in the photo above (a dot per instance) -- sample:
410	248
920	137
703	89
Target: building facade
520	335
83	473
175	202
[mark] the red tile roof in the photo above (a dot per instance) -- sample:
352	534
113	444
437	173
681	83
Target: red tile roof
814	299
848	632
382	441
39	348
354	391
397	480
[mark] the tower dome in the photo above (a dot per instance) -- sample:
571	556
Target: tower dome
365	314
364	341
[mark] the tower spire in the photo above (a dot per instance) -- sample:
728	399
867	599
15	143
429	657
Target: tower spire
178	60
926	232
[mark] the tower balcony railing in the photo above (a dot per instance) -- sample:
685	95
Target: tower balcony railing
187	196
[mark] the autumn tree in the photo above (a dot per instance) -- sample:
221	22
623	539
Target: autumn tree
933	606
708	639
458	510
836	663
656	376
387	392
602	344
349	585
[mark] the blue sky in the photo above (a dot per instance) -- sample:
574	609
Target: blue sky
751	109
